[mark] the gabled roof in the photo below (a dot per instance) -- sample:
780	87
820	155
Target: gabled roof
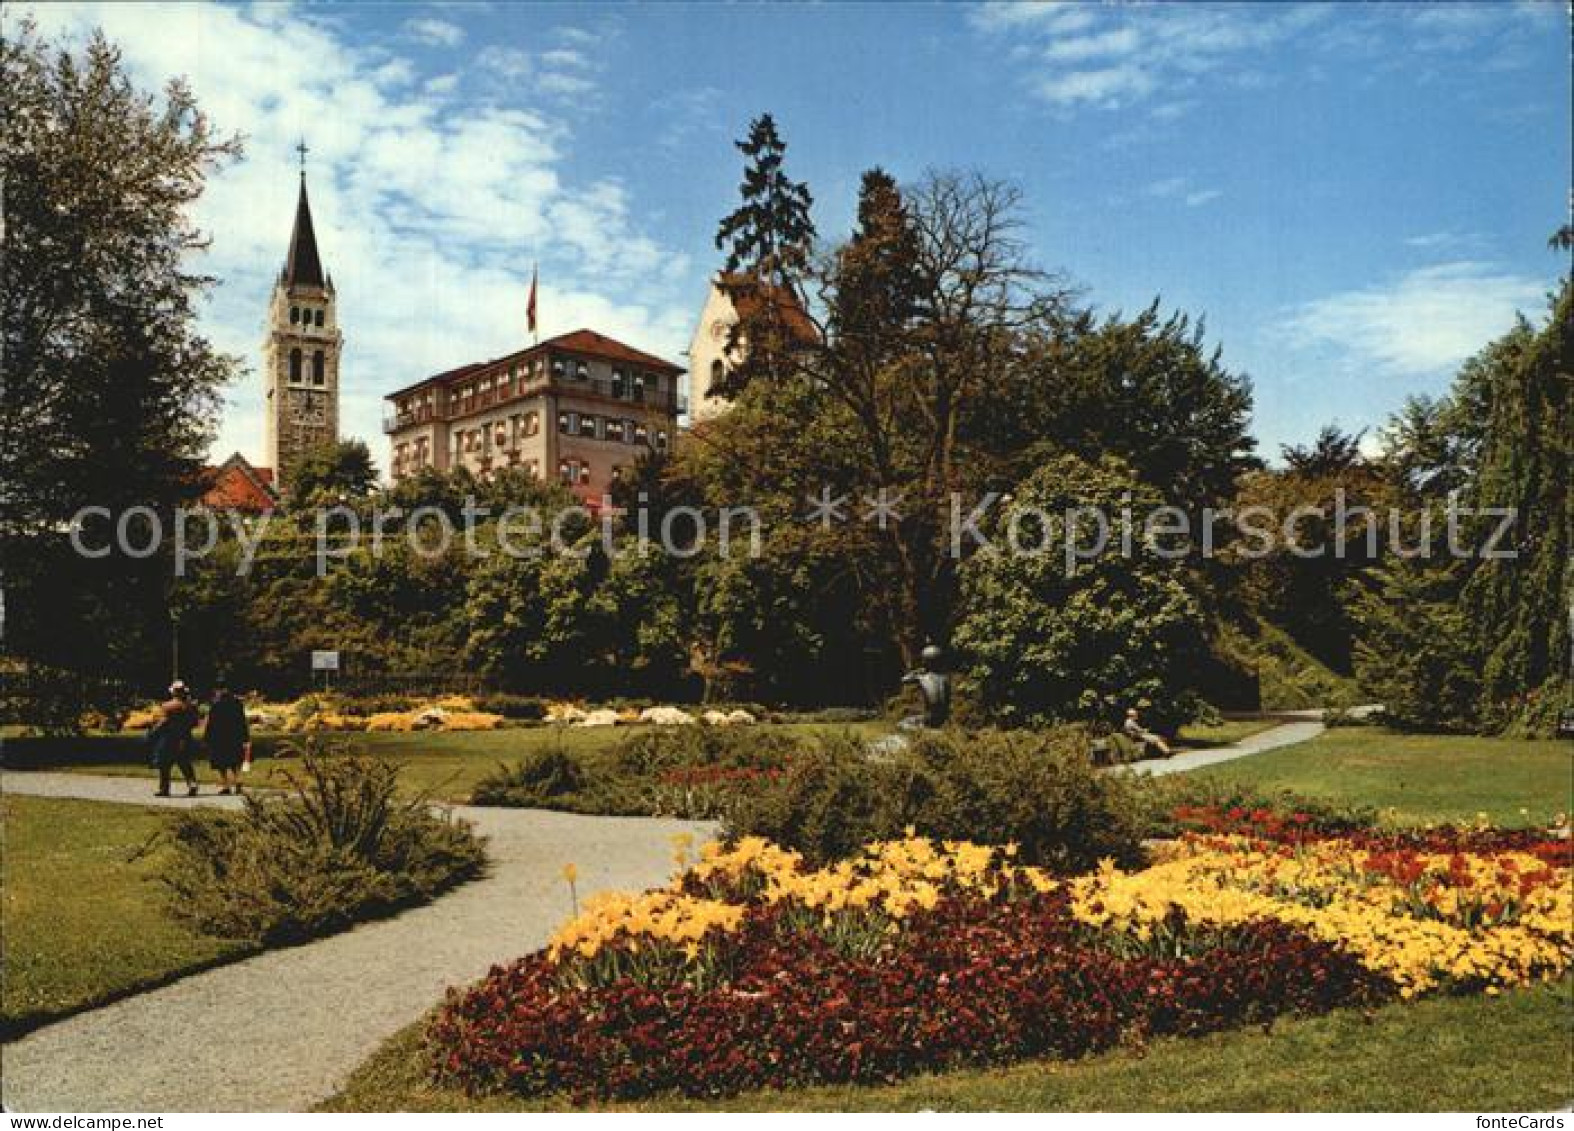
235	485
599	345
752	297
586	342
303	266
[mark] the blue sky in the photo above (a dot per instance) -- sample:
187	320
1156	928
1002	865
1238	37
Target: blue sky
1355	198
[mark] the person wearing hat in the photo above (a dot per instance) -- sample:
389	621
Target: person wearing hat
174	739
226	735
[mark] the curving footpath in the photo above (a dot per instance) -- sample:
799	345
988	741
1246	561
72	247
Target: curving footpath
282	1031
1307	725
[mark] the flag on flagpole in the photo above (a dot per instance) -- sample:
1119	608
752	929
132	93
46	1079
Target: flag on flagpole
530	307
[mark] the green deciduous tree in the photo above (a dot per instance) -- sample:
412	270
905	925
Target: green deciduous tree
109	392
1145	389
1048	639
341	470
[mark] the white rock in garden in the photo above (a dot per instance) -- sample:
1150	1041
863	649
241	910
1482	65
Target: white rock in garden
566	713
666	717
431	717
716	718
602	717
740	718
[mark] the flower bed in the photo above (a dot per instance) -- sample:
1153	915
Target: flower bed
753	970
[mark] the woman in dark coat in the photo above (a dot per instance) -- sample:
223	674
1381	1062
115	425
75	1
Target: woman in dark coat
226	736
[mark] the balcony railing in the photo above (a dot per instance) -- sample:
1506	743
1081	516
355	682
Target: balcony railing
394	421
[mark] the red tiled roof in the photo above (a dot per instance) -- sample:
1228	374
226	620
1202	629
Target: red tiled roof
587	342
599	345
750	297
235	485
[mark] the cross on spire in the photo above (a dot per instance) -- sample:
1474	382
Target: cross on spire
302	150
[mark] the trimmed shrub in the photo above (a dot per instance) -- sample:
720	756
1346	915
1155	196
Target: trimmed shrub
836	716
381	704
542	778
339	848
668	748
689	772
832	800
518	708
1036	789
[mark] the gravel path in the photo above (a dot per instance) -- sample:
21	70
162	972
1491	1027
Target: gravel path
1307	725
282	1030
1303	725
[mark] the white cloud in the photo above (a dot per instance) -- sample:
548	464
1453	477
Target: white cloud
1109	57
686	113
1172	188
564	57
1171	111
562	72
429	215
1114	56
1106	86
1433	241
1424	322
506	62
1117	41
577	35
437	33
1056	15
557	82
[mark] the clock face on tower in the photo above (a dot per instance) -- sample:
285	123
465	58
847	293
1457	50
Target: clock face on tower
311	408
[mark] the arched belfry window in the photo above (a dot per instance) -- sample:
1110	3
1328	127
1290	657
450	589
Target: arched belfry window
318	369
295	365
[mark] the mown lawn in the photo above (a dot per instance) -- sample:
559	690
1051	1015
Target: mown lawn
1222	733
1507	1053
1422	778
445	766
83	913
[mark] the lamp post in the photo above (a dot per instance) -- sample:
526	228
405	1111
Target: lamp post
174	645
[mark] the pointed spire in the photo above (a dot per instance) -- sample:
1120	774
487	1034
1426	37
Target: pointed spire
303	268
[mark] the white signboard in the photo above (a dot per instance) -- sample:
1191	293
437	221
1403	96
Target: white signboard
325	661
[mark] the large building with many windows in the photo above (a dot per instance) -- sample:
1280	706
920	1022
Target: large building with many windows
578	408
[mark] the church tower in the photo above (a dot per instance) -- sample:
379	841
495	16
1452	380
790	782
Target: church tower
300	357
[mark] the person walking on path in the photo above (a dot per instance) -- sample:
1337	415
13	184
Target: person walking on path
226	735
173	739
